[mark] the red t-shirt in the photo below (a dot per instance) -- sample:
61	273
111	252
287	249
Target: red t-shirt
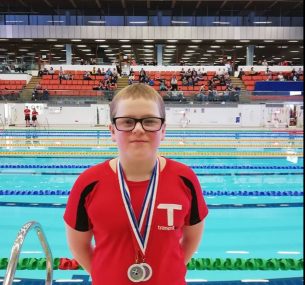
27	111
95	203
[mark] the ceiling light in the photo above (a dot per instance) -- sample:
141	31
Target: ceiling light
148	41
125	41
12	21
81	46
172	41
237	46
76	40
244	41
103	46
99	40
27	40
293	41
97	22
294	51
262	22
180	22
220	41
221	23
3	40
51	40
138	22
215	46
58	45
211	50
268	41
196	41
125	46
55	21
193	46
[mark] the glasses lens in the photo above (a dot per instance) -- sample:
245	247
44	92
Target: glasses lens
128	124
125	124
152	124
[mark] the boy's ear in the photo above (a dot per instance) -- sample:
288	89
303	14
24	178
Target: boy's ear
163	132
112	132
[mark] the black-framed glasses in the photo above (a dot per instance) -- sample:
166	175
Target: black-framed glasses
127	124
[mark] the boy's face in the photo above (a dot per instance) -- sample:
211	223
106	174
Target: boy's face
138	143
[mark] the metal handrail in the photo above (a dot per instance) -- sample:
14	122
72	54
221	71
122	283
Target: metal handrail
2	123
16	249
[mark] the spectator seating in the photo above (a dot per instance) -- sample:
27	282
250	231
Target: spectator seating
71	87
249	80
11	87
167	75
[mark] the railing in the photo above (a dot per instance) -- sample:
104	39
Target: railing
16	249
2	123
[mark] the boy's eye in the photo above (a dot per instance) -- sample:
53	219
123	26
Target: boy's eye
128	121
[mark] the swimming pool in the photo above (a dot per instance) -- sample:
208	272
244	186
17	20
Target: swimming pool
252	181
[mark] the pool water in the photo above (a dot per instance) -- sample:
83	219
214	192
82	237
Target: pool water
255	194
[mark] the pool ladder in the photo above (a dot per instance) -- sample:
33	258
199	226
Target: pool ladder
15	252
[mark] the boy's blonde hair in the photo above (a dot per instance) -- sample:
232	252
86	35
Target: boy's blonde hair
137	91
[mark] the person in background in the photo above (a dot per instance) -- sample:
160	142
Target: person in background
45	94
143	230
34	117
27	116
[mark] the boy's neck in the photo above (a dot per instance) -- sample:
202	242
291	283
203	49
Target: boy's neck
137	171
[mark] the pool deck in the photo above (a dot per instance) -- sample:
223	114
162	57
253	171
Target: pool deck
103	127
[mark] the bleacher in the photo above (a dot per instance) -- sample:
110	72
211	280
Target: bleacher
71	87
78	88
250	80
11	88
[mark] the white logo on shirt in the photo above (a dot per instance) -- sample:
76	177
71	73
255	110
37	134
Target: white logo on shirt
170	215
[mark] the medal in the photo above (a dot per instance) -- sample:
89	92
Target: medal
136	272
139	272
148	271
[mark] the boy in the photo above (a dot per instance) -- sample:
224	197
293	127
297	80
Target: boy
27	116
144	211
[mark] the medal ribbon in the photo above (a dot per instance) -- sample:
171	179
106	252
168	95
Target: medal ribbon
142	225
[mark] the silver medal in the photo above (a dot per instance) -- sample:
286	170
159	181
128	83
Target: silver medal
147	270
136	272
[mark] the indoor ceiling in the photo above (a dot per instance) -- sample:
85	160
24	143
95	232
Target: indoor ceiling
204	52
174	7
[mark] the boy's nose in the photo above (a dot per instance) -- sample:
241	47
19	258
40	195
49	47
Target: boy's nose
138	127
